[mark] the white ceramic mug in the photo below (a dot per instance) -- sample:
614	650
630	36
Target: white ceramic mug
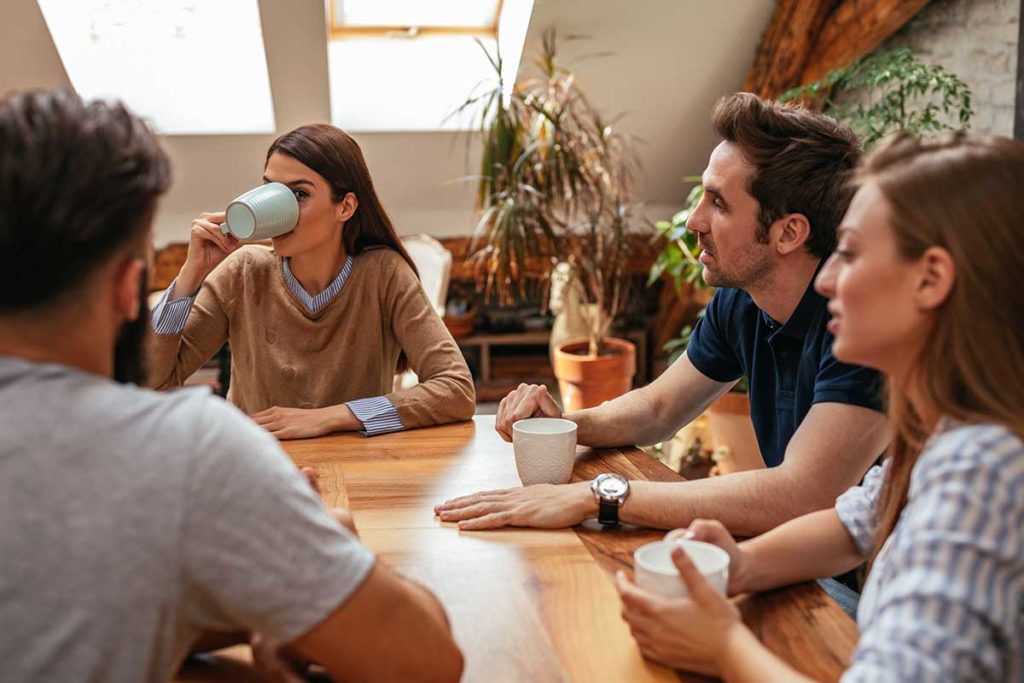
545	449
262	212
655	571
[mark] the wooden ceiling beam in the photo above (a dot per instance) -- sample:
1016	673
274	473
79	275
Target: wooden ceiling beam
786	45
806	39
853	30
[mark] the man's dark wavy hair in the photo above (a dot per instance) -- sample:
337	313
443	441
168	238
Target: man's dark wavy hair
803	163
78	181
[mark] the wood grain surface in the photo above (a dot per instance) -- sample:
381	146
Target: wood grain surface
526	605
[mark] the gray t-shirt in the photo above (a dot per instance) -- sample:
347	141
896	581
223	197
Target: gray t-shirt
132	521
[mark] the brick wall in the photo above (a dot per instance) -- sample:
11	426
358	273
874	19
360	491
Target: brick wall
977	40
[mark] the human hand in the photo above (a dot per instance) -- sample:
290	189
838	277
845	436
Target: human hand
344	518
541	506
341	515
310	475
715	533
683	633
275	662
298	423
529	400
207	247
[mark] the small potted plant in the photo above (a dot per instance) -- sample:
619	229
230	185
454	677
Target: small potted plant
554	186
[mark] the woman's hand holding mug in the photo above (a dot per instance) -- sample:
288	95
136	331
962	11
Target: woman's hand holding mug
207	247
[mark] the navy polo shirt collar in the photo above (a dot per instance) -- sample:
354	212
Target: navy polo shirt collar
803	315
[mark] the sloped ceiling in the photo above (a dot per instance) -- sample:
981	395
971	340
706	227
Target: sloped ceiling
663	64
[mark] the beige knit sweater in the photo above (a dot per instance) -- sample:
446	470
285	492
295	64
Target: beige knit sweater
282	355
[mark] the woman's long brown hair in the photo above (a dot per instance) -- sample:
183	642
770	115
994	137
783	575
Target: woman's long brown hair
333	154
965	194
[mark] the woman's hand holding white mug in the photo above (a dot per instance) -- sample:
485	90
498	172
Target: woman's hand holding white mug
207	247
715	533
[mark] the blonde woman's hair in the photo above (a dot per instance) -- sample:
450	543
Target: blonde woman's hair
965	194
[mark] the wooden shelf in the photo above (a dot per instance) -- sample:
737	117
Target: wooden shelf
533	366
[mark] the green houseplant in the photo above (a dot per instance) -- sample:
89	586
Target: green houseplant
678	261
890	91
554	185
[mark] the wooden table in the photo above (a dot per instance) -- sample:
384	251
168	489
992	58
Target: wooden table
526	605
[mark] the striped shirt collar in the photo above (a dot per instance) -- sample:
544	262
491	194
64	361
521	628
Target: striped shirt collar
313	304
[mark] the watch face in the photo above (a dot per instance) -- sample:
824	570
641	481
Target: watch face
612	486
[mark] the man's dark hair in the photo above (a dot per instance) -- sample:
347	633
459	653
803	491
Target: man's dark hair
77	182
803	162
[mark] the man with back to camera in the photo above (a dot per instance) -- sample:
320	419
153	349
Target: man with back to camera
135	522
775	190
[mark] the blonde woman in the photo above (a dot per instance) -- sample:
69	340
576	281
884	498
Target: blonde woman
320	323
925	287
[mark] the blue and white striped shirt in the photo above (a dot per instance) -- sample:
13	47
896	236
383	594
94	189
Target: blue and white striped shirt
945	598
377	413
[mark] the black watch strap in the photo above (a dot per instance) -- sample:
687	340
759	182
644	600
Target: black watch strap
608	513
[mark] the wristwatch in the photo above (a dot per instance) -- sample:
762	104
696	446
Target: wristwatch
610	491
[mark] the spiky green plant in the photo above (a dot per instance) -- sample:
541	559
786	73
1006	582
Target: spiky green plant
553	185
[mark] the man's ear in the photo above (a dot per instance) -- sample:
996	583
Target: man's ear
791	232
937	276
127	286
345	209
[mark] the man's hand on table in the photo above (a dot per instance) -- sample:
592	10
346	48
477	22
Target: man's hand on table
542	506
277	663
529	400
342	515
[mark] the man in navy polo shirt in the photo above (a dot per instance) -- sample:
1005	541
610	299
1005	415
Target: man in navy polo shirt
775	190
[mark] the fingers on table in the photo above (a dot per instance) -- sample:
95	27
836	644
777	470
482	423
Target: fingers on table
472	499
488	521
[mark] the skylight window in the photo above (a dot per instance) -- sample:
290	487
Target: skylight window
406	65
189	66
481	15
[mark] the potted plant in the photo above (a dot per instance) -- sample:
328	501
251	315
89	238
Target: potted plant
554	187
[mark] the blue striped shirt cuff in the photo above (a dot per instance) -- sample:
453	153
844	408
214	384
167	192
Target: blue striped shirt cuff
377	414
169	316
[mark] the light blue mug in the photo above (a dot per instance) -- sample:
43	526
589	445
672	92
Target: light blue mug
261	213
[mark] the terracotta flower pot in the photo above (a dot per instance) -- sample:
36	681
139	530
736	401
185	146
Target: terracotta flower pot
587	381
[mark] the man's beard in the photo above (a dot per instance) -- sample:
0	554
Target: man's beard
130	348
747	272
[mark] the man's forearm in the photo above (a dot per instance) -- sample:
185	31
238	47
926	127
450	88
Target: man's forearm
829	453
634	418
747	503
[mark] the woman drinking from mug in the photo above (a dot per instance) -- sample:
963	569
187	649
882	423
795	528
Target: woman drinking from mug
320	323
925	286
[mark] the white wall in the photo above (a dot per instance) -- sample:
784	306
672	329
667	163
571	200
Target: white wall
977	40
665	63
